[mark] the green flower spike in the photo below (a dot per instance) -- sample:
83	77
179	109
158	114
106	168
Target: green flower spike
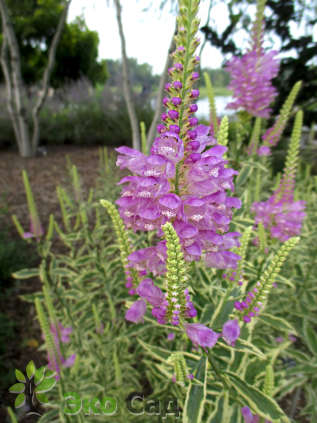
242	252
212	104
222	137
280	123
176	275
258	297
45	327
180	368
288	179
122	237
255	136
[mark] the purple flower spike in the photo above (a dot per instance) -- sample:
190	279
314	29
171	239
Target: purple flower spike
192	134
175	129
168	86
164	116
173	114
201	335
231	331
194	93
136	312
178	66
160	128
264	151
193	145
177	85
193	121
193	108
176	101
195	75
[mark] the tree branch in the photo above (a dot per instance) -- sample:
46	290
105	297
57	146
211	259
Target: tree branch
46	76
8	83
126	83
19	118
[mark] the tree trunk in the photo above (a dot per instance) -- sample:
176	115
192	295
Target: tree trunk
11	66
42	94
12	72
160	94
127	90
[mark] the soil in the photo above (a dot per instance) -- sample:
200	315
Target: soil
45	173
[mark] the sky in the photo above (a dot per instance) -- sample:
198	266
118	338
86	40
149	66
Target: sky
148	33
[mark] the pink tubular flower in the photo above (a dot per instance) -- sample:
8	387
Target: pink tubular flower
36	229
54	362
282	217
252	74
251	82
201	335
231	331
249	417
150	292
136	312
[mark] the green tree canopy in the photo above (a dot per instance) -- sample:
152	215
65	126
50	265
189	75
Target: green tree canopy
35	22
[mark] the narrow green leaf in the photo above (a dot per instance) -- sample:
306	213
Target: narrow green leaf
25	273
310	337
12	415
196	395
50	417
258	402
277	323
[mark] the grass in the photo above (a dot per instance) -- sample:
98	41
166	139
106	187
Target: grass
218	91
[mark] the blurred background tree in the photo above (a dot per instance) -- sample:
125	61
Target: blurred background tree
289	25
141	76
35	22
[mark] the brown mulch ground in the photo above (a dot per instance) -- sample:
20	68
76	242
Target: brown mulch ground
45	173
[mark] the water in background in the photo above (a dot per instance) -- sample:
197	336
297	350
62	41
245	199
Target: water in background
221	103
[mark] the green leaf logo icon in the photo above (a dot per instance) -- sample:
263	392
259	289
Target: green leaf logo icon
17	388
20	376
46	385
30	369
38	382
19	401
